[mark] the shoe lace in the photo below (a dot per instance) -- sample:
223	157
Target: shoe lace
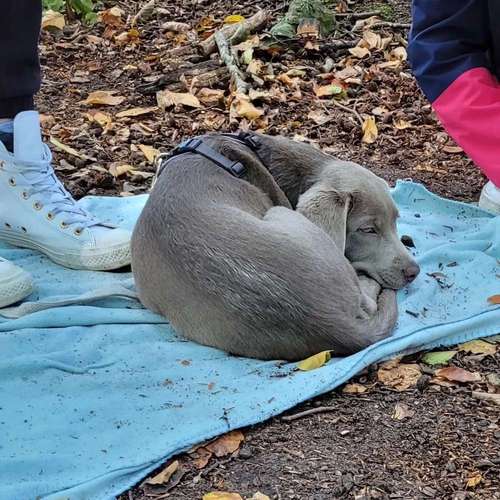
39	179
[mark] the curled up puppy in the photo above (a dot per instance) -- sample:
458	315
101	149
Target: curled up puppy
291	253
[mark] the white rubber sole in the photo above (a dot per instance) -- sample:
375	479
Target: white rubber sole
486	204
113	257
15	288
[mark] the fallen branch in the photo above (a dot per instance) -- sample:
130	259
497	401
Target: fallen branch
358	15
230	61
487	396
338	44
251	24
349	110
388	24
305	413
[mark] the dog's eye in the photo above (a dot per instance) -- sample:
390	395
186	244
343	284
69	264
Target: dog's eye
367	230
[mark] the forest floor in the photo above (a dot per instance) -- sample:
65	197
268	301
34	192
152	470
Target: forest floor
432	439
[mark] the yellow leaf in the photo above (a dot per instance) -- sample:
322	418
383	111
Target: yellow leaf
165	475
221	495
259	496
399	53
167	99
370	130
399	376
68	149
119	170
478	347
105	97
149	152
53	20
226	444
474	480
359	52
103	119
354	389
136	112
316	361
244	108
402	124
233	19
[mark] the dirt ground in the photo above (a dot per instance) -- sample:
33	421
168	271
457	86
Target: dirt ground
447	444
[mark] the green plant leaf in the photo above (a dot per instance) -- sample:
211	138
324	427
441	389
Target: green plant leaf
438	358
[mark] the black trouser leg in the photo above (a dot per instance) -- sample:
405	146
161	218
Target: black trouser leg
19	66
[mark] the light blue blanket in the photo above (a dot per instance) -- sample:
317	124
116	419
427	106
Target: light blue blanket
93	397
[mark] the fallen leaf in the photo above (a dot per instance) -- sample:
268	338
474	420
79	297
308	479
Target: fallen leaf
315	361
494	299
402	124
453	149
68	149
399	53
105	97
456	374
167	99
164	476
348	72
402	411
112	17
203	456
379	111
149	152
493	379
234	19
354	389
136	112
319	117
365	23
373	40
53	20
359	52
400	376
119	170
221	495
478	347
103	119
438	358
328	90
226	444
244	108
210	97
474	480
259	496
370	130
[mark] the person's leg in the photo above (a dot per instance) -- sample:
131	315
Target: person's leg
35	210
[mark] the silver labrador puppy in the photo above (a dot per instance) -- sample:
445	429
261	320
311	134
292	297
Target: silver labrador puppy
265	266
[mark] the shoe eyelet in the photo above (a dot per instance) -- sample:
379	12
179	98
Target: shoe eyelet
25	195
78	232
24	229
12	181
8	226
63	225
50	216
37	205
2	163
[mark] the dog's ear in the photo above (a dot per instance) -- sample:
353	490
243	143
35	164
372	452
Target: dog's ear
328	209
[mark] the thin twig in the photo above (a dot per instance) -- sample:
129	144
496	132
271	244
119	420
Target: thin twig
305	413
358	15
388	24
349	110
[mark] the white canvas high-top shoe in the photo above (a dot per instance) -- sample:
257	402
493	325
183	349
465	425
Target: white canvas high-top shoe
15	284
37	212
490	198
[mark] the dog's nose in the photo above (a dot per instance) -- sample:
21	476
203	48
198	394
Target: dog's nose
411	272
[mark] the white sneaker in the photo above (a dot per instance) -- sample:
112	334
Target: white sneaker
490	198
15	284
37	212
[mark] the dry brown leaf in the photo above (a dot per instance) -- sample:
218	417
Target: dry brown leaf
103	119
243	107
53	20
402	411
104	97
164	476
400	376
359	52
389	64
379	111
221	495
370	130
365	23
287	80
347	72
402	124
203	456
354	389
456	374
68	149
226	444
210	97
259	496
478	347
329	90
167	99
453	149
319	117
112	17
399	54
119	170
494	299
474	480
149	152
136	112
372	40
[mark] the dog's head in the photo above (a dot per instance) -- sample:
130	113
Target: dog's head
355	208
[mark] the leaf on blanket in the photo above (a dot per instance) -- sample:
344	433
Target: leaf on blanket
402	411
400	376
456	374
478	347
438	358
226	444
164	476
494	299
316	361
222	495
354	389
